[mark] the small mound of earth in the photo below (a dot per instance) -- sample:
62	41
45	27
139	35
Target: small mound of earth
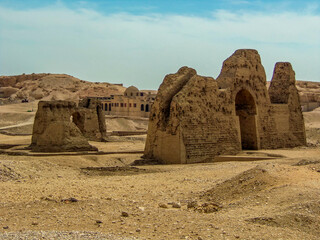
114	171
207	207
312	207
247	183
142	161
7	174
302	222
305	162
312	164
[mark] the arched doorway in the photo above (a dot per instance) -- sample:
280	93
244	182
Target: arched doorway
246	111
78	120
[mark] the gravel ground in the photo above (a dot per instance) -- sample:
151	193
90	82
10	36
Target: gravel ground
35	235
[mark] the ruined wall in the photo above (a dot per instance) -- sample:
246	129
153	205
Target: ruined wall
277	119
54	131
89	118
244	71
206	122
160	139
196	118
283	91
188	121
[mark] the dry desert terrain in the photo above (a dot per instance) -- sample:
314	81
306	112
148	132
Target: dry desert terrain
267	194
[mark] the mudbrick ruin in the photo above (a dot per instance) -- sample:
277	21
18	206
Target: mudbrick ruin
196	118
63	126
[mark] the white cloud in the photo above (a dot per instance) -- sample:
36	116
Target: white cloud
140	50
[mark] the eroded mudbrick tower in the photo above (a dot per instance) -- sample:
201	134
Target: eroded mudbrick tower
196	118
62	126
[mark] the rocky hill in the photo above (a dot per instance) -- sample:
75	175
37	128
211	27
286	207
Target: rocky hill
309	94
52	87
310	90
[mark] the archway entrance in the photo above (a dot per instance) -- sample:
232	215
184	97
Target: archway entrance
246	110
78	120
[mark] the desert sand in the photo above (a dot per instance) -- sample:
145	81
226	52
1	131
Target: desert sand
276	196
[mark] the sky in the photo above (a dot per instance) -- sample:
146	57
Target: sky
139	42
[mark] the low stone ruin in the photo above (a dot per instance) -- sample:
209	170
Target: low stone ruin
89	118
61	126
196	118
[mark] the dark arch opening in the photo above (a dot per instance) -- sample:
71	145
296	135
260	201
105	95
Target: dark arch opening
246	111
142	107
147	107
78	120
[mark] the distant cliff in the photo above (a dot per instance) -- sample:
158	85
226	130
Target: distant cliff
46	86
309	94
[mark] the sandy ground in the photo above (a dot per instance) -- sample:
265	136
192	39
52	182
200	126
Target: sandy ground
276	198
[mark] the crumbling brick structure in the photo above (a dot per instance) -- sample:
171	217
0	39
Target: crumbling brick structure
57	126
89	118
196	118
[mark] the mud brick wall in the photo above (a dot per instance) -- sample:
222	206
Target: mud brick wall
196	118
283	90
54	131
89	118
211	140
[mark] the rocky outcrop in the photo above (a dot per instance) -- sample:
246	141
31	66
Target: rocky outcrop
6	92
48	87
12	81
196	118
309	95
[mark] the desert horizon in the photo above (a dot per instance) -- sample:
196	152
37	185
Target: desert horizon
134	120
115	194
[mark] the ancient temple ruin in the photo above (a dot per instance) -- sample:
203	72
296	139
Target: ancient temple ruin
89	118
196	118
63	126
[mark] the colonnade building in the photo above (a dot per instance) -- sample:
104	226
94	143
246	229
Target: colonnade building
133	103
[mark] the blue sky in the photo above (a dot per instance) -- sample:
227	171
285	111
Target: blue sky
138	42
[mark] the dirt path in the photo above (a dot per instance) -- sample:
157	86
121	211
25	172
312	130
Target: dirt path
27	122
